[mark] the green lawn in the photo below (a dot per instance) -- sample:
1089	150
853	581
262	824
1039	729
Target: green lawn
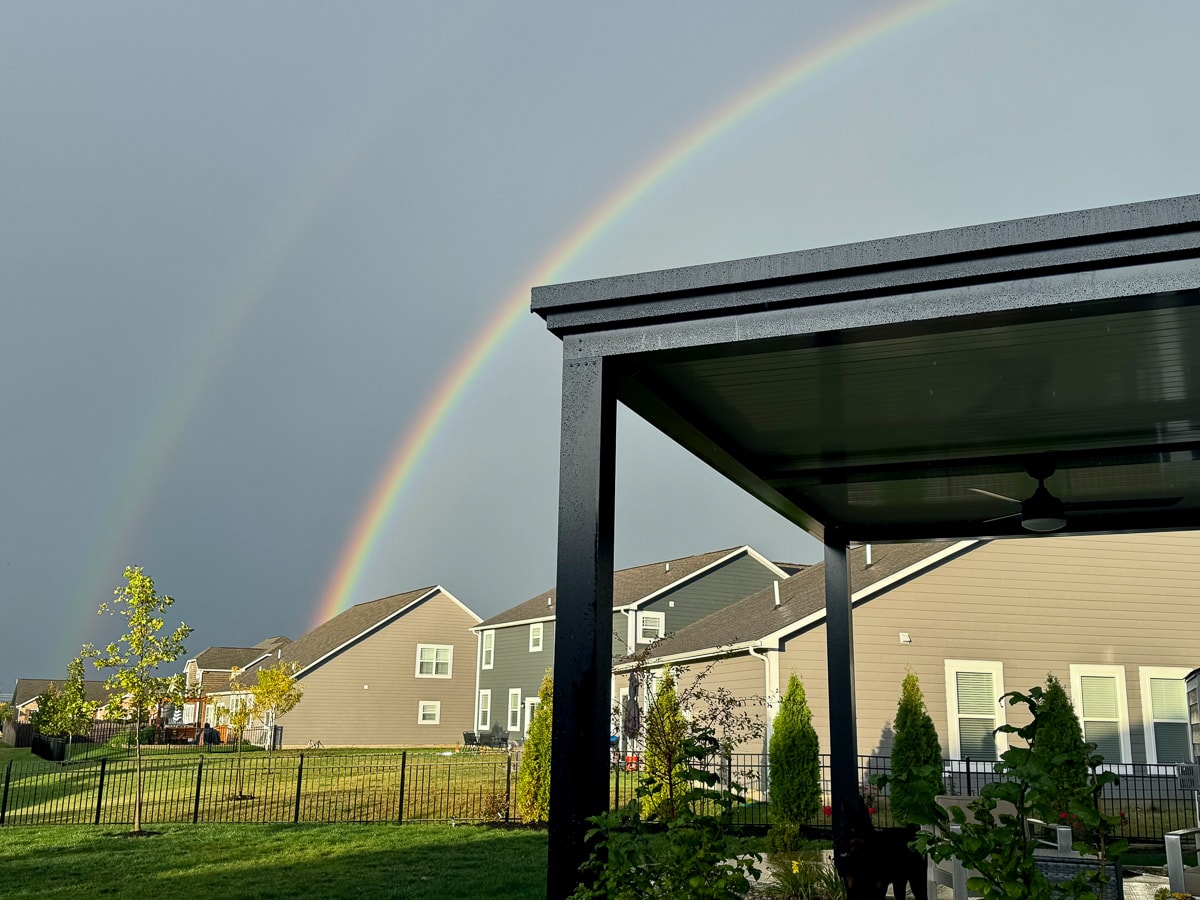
273	861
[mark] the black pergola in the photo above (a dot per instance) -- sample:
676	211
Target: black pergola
891	390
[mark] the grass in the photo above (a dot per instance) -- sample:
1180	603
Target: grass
274	861
335	787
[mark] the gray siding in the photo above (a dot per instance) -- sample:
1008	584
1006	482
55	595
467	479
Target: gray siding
368	694
715	589
516	667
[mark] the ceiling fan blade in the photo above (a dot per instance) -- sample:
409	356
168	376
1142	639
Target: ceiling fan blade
1137	503
994	494
1001	518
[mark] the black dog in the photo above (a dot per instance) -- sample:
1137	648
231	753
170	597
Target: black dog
868	859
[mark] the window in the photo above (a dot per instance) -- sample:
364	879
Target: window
531	705
1098	693
514	709
429	712
973	690
1165	715
489	649
651	627
433	660
535	637
485	710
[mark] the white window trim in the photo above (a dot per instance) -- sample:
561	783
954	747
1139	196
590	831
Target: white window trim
650	616
531	705
488	653
435	648
514	693
484	722
437	712
536	633
996	669
1118	672
1145	673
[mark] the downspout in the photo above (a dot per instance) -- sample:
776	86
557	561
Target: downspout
771	697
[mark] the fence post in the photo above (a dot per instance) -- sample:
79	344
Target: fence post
100	787
199	781
4	799
299	781
403	769
617	786
968	762
508	788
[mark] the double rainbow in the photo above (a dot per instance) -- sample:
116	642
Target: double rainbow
339	592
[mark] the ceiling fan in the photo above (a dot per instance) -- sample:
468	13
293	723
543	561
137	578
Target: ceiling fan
1043	512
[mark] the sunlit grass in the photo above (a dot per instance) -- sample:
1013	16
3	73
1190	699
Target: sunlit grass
273	861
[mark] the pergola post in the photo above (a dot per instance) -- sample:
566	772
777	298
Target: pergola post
583	632
839	643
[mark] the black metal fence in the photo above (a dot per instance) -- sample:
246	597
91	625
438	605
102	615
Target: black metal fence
392	787
105	738
412	786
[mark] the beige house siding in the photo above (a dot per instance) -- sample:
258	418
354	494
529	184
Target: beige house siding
367	695
1036	606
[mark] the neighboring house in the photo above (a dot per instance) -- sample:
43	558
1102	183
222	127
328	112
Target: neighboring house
1113	616
27	691
209	672
516	647
394	672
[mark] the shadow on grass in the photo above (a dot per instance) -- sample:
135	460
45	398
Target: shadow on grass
276	861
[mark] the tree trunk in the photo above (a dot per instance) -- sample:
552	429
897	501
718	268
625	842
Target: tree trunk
137	798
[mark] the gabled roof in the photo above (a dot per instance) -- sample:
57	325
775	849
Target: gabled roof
352	625
31	688
274	643
756	621
225	658
629	585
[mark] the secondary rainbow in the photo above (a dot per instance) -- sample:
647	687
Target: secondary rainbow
408	452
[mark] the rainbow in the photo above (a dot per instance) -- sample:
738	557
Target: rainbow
416	439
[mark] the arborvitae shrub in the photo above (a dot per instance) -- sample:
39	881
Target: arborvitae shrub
1060	749
916	757
666	734
533	778
795	760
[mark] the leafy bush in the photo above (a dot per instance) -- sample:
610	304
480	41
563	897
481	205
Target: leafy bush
666	734
916	757
795	755
1061	751
694	859
533	778
999	847
805	877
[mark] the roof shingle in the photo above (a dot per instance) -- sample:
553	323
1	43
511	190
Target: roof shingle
629	586
757	616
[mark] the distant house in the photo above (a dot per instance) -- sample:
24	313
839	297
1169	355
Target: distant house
394	672
27	691
1113	616
516	647
209	672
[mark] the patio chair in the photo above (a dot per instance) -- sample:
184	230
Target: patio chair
469	739
1183	879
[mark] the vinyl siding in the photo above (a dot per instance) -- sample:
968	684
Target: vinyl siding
515	667
715	589
1036	605
337	711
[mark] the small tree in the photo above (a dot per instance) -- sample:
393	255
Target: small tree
45	718
916	757
666	735
239	714
533	778
275	695
1060	750
795	757
134	658
6	713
